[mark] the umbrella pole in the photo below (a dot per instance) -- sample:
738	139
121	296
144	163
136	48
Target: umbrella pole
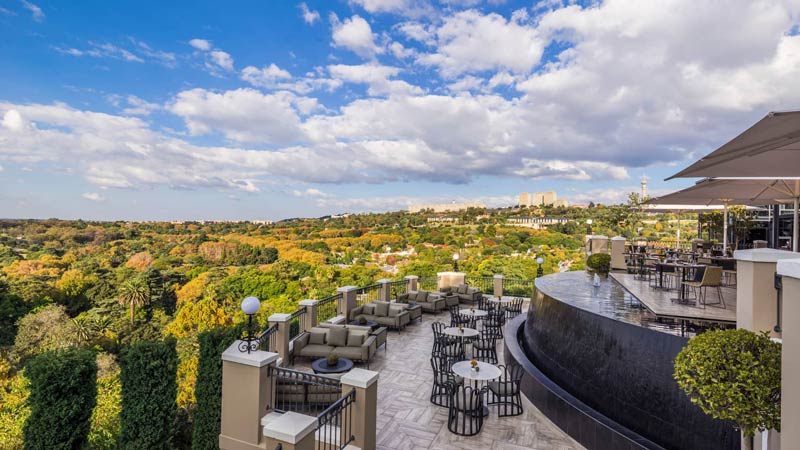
795	228
725	230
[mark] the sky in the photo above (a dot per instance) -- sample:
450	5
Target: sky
264	110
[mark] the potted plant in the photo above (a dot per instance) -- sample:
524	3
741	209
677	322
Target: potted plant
362	320
734	375
332	360
599	262
474	365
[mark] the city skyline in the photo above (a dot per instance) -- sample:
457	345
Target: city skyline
154	111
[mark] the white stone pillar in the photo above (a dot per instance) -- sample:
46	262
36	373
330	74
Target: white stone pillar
348	301
279	342
293	431
385	294
497	285
789	269
310	318
448	279
618	253
412	282
756	296
365	407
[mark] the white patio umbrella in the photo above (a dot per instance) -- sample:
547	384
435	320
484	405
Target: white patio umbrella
770	148
735	191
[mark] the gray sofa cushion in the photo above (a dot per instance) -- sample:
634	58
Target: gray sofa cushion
355	338
369	309
337	337
317	336
462	289
381	309
395	311
316	351
349	352
422	296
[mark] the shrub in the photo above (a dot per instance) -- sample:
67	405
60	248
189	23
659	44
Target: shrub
733	375
600	262
62	395
208	390
149	388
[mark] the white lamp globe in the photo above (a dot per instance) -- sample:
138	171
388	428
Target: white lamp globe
588	221
539	260
250	305
455	256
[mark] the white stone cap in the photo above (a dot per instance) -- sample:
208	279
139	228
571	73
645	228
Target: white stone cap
346	288
789	268
290	427
499	276
308	302
256	358
618	238
384	281
597	236
411	277
359	378
279	317
764	255
451	273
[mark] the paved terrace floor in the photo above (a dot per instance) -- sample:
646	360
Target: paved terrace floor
407	420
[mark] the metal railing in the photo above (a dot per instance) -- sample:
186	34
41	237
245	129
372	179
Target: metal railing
518	287
303	392
262	341
335	424
485	284
327	308
296	322
367	294
428	284
396	288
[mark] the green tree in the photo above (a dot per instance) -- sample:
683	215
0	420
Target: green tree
134	293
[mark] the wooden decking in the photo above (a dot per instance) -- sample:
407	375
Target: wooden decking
659	302
407	420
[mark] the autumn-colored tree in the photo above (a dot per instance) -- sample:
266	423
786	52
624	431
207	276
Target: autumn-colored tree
140	261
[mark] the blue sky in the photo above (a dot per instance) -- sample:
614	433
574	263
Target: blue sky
267	110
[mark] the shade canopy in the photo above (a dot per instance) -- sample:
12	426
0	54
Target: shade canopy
770	148
720	191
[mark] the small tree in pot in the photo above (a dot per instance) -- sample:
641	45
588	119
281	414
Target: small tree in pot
734	375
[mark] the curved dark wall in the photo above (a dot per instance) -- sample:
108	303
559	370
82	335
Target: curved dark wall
622	371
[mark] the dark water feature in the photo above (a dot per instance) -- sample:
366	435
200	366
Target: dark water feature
599	345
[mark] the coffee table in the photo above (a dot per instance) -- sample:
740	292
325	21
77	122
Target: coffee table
370	323
321	366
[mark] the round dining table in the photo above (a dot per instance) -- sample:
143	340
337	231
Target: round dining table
474	313
485	372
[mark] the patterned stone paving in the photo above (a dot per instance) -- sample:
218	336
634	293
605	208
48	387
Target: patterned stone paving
407	420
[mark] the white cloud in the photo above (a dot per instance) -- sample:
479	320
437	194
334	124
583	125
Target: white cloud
310	192
266	76
222	60
309	16
93	196
354	34
102	50
138	107
36	12
201	44
407	8
400	52
12	120
374	75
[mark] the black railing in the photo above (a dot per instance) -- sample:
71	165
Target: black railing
485	284
517	287
428	284
296	322
367	294
335	424
262	341
396	288
327	308
303	392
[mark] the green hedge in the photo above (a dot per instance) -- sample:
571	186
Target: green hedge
208	390
149	389
601	262
63	389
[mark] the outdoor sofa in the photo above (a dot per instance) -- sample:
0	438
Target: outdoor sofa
387	314
348	341
466	294
431	302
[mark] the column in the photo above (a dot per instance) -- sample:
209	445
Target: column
790	356
279	342
450	279
246	396
385	294
618	253
365	407
310	318
348	300
497	285
599	244
756	297
293	431
411	283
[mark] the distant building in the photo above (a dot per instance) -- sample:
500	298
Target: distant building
525	199
443	219
445	207
548	198
536	223
644	187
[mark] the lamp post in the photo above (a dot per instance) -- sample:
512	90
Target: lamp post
539	271
455	262
250	306
589	227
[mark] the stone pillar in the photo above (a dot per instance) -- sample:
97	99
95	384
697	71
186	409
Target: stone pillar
310	318
411	283
597	244
790	357
365	407
497	285
385	294
618	253
293	431
279	342
247	390
348	300
448	279
756	296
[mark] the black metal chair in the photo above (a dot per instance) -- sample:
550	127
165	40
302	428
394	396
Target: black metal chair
484	348
465	415
485	304
443	380
456	318
514	308
494	322
444	345
505	391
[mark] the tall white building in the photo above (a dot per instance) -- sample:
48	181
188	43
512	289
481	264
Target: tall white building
644	187
525	199
547	198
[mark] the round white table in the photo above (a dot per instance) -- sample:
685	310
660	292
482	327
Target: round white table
487	372
502	301
474	313
464	332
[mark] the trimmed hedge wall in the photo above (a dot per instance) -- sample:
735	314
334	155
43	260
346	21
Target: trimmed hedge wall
149	389
208	390
63	390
